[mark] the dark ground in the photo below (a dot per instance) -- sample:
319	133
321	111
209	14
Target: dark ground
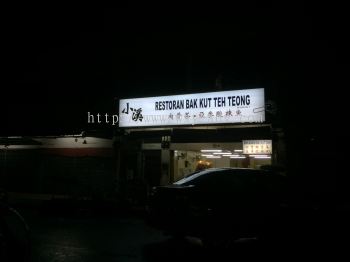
124	236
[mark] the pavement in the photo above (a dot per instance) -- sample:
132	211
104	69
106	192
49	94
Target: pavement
77	235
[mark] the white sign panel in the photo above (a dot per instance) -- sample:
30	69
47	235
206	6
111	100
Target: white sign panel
238	106
257	146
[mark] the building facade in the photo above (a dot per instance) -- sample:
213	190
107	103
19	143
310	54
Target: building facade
70	166
163	139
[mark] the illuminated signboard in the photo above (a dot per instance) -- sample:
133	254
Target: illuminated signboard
238	106
257	146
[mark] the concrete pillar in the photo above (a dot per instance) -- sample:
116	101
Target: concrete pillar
279	147
117	145
165	166
166	159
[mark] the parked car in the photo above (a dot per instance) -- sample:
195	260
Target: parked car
221	203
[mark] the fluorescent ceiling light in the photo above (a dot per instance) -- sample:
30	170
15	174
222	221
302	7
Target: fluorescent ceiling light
237	157
262	157
206	155
259	155
211	150
222	153
213	156
238	150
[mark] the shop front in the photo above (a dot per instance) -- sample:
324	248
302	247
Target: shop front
166	138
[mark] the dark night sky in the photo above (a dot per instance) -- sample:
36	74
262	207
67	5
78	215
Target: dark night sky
64	61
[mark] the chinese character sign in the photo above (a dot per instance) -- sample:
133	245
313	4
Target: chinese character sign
236	106
257	147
